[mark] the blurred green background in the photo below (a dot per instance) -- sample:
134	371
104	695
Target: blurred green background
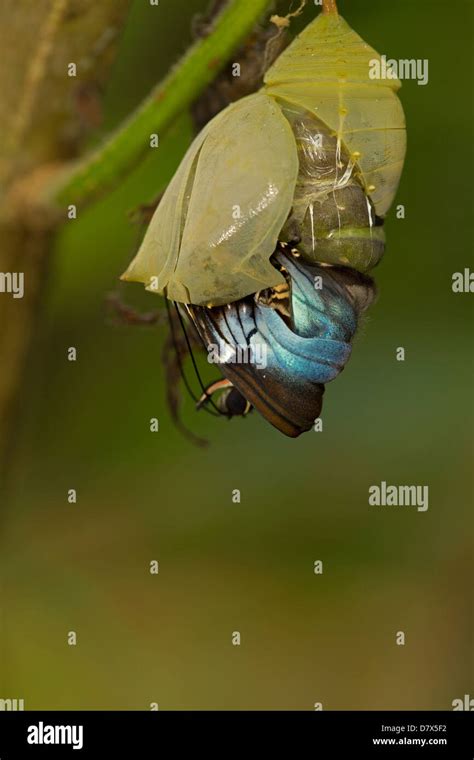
225	567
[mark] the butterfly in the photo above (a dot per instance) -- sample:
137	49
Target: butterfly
265	233
278	348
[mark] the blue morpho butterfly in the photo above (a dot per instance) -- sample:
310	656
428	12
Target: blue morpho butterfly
311	160
279	347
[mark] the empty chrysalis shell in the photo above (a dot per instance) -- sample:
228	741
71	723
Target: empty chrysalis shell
314	159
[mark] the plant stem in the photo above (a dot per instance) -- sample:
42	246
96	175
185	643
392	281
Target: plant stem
330	6
92	176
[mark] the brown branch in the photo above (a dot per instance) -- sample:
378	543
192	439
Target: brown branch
37	110
21	116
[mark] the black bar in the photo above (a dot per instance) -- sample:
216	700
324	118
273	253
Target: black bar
166	734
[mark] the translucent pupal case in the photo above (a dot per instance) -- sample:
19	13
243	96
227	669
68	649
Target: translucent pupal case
332	218
327	71
212	236
313	159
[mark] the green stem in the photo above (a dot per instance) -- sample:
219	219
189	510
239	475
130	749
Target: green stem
93	175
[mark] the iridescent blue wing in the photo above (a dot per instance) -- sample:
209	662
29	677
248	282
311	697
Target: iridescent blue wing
326	301
280	349
280	390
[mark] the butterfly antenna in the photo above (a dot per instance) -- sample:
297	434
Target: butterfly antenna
217	412
180	363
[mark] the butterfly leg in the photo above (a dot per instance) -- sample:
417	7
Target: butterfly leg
123	314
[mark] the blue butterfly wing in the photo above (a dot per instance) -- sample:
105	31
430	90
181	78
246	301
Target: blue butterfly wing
285	397
301	353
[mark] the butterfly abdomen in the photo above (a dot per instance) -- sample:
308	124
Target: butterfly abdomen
333	218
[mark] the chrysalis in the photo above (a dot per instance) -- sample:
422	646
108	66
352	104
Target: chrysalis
289	182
